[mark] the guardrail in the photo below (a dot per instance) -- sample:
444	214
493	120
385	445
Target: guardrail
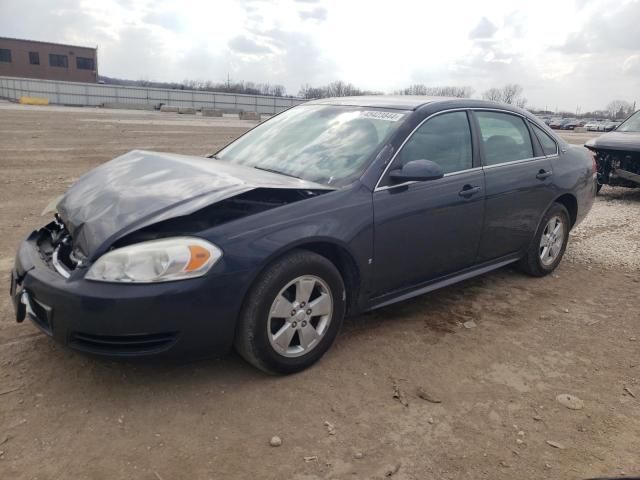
95	94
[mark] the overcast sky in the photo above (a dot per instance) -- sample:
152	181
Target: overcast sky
565	53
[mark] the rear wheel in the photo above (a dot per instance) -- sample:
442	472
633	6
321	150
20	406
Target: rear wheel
292	314
549	243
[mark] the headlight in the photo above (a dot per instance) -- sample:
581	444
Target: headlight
156	261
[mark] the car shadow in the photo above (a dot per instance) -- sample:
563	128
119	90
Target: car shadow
441	312
436	314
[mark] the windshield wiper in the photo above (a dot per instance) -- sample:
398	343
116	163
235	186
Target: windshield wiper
277	171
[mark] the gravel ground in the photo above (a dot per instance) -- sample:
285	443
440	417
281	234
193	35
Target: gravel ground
612	228
463	383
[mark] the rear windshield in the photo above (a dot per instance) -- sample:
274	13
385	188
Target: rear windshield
632	124
326	144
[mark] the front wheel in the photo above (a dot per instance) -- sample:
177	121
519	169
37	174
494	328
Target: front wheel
292	314
549	243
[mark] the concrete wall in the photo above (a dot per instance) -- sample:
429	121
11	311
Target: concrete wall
20	65
85	94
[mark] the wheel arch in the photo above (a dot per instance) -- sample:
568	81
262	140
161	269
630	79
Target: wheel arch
571	204
338	255
346	265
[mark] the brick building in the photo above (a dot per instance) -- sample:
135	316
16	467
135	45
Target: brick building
51	61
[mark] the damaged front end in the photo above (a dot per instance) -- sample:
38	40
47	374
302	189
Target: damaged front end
89	303
617	154
618	168
55	246
243	205
144	189
55	243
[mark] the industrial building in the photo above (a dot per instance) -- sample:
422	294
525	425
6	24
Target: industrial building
50	61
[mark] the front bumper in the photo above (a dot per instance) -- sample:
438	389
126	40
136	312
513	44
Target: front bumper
186	317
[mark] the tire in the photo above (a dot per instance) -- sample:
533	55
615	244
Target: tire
533	263
598	188
264	335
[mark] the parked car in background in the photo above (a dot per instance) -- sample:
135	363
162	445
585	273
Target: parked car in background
544	118
333	207
609	126
618	154
592	125
569	124
564	123
556	123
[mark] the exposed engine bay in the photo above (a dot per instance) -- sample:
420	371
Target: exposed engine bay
618	168
240	206
56	247
141	189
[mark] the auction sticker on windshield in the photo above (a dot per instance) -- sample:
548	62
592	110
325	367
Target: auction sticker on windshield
388	116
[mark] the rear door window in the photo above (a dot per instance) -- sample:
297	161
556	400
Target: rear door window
505	137
549	146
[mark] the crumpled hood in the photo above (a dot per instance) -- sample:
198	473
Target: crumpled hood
627	141
141	188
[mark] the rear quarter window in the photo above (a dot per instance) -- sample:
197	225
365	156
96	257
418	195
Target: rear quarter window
549	145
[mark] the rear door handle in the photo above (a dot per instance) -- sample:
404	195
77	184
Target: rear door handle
469	190
542	174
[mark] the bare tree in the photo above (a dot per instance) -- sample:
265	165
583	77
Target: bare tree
510	94
334	89
278	90
619	109
493	95
445	91
416	89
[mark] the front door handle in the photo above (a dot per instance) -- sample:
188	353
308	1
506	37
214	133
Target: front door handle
542	174
469	190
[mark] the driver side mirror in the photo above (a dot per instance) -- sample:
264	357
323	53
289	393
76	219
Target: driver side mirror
418	171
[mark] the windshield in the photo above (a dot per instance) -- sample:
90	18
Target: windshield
632	124
320	143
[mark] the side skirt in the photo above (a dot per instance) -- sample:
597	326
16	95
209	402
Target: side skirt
405	294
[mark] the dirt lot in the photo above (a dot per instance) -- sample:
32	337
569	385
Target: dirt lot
67	416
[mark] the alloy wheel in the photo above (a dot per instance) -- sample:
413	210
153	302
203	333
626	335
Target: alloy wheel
551	241
300	316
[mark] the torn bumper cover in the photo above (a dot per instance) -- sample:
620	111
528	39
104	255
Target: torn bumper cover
617	158
125	319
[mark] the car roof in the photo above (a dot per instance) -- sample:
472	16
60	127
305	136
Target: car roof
398	102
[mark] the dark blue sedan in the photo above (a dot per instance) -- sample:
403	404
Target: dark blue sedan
331	208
